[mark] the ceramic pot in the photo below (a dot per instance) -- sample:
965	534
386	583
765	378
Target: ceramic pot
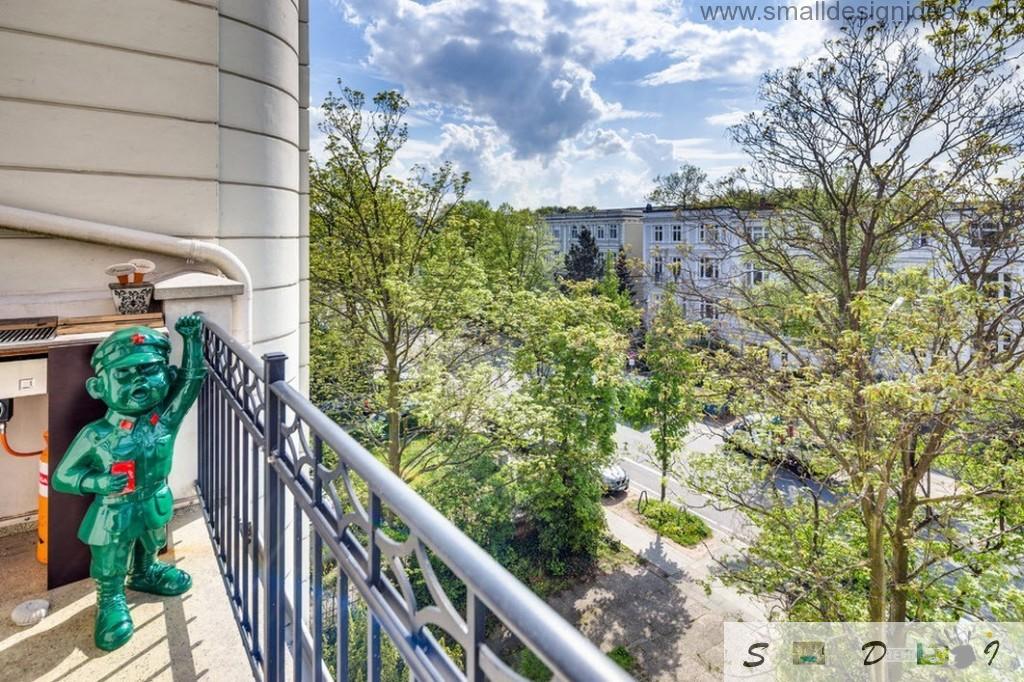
132	299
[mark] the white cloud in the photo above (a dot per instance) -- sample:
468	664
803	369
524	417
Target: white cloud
603	167
699	51
727	118
528	66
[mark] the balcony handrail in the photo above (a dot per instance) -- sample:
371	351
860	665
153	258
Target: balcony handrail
260	452
562	647
238	348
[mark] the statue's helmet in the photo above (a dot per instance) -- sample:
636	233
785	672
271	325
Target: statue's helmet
131	346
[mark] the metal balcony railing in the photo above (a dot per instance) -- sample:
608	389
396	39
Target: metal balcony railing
335	568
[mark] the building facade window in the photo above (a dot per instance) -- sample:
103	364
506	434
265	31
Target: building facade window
677	266
919	242
600	231
999	284
575	231
754	275
659	267
709	311
677	233
755	232
707	233
709	268
985	233
659	233
613	231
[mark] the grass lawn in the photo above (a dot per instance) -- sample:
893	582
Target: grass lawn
674	523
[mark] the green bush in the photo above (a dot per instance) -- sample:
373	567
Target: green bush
674	523
531	667
623	658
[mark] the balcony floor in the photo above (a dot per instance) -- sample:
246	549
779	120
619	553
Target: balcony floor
181	638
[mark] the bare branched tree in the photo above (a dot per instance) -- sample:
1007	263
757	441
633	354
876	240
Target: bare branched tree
900	385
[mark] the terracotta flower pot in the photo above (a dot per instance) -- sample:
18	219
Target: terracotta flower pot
143	267
122	271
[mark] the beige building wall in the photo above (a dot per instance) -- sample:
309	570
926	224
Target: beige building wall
180	117
633	241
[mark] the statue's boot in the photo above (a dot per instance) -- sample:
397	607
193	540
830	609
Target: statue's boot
113	621
155	577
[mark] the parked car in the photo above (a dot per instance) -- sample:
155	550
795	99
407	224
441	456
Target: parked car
614	478
772	440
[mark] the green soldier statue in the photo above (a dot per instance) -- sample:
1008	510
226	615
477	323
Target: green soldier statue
124	460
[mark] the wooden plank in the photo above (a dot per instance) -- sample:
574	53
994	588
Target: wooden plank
30	349
110	318
102	323
28	322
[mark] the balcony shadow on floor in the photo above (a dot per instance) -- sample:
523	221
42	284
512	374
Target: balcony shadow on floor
179	638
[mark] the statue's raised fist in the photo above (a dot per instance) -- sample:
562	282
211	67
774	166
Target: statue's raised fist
189	326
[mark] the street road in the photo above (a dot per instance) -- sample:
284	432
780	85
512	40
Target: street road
633	448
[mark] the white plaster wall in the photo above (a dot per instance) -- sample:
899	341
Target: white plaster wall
108	112
262	164
304	196
187	118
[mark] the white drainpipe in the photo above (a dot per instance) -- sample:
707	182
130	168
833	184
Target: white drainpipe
111	235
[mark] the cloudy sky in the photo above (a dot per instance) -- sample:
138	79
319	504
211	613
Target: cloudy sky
557	101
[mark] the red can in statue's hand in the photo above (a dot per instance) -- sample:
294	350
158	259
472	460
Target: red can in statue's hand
125	468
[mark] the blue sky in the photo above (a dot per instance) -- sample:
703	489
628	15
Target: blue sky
556	101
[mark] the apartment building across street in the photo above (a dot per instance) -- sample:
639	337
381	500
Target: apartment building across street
700	254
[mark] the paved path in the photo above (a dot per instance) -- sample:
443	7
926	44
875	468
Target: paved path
659	611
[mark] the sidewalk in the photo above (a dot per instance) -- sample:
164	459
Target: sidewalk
684	565
660	612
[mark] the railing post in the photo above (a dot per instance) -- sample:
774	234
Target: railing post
476	619
273	529
373	660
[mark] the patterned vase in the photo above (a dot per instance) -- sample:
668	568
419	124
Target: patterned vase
132	299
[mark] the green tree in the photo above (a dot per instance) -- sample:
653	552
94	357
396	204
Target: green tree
667	398
513	246
891	376
626	277
569	353
583	261
394	283
680	188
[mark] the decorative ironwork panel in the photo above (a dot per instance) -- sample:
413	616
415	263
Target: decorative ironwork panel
323	548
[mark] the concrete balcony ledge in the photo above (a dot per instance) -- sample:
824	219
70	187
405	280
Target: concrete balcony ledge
195	285
176	638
